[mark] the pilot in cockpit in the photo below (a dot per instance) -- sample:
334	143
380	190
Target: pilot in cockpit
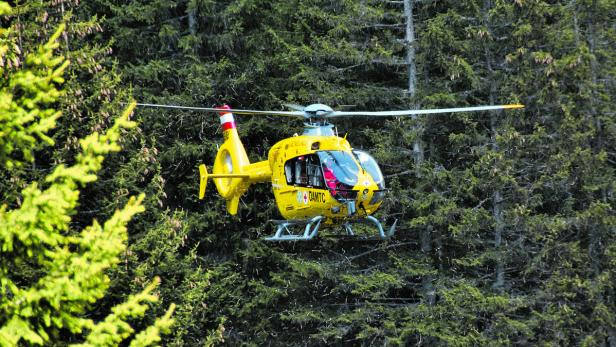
330	178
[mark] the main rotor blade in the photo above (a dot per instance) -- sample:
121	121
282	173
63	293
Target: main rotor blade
236	111
418	112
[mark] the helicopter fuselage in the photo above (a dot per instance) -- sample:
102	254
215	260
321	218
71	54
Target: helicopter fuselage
314	174
321	175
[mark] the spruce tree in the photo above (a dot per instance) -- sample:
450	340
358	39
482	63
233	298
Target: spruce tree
50	274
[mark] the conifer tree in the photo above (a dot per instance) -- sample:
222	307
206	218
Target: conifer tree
50	274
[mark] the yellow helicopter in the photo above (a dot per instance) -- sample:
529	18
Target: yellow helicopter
317	178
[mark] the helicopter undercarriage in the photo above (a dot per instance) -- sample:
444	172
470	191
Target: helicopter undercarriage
310	227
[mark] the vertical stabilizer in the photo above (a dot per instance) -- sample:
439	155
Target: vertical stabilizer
232	172
230	159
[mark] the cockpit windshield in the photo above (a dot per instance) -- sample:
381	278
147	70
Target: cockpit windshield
341	164
369	164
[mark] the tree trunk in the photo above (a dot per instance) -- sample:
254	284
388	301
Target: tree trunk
192	18
426	248
497	205
576	26
497	196
499	282
409	41
596	238
418	153
65	33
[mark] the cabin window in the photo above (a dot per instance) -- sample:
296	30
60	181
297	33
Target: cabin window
300	168
304	171
288	171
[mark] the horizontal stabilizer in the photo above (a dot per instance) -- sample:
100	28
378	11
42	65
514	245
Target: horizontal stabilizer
204	176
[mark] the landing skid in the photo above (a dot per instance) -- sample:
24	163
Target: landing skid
311	228
284	233
370	219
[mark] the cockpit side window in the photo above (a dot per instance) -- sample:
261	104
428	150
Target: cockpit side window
304	171
340	171
342	165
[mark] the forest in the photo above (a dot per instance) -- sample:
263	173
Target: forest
506	223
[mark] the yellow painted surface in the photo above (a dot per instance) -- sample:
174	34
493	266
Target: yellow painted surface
233	174
298	202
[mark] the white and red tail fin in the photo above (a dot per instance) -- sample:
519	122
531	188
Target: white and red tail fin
232	172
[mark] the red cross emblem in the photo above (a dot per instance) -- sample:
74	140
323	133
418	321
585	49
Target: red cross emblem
305	198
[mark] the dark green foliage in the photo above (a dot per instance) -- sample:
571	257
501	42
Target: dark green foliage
517	206
506	225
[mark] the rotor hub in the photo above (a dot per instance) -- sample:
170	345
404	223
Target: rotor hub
318	129
317	111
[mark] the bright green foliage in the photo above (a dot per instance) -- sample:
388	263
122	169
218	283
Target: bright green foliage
114	329
70	266
50	273
25	117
